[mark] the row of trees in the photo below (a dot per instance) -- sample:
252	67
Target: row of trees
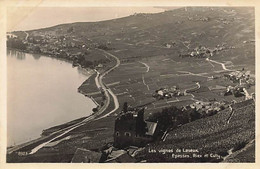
87	63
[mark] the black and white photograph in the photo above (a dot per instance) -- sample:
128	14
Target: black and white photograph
130	84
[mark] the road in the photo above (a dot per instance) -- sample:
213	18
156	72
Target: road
145	83
193	89
147	67
107	92
194	74
222	64
116	104
97	79
34	150
27	35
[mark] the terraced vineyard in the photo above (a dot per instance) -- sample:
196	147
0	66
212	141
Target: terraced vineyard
212	135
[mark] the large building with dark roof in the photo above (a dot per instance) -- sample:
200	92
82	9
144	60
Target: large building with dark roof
132	130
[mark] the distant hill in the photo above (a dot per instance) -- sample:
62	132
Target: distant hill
185	28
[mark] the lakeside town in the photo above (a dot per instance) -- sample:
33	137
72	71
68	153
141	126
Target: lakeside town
149	93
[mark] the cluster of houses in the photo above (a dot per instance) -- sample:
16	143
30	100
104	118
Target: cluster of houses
242	77
173	91
169	45
244	80
204	52
237	91
66	46
51	43
207	108
204	19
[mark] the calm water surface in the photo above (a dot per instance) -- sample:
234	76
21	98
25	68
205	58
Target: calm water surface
41	92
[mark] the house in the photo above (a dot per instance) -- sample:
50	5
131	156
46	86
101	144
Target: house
168	45
132	130
10	35
167	92
99	65
160	92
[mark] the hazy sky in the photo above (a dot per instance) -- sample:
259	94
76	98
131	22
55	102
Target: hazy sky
27	18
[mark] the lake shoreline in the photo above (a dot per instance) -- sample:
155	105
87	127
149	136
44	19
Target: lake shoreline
62	125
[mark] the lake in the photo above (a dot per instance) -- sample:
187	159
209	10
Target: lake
41	93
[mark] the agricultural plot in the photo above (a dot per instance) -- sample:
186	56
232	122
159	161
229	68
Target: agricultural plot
138	80
213	134
191	48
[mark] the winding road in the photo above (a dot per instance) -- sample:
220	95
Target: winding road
222	64
27	35
147	67
192	89
61	132
107	90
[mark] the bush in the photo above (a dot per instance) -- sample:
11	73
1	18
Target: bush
95	110
239	145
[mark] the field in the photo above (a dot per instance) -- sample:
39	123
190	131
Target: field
147	65
149	49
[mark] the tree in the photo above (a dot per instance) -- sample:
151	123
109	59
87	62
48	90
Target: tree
125	107
95	110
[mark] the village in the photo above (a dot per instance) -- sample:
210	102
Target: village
132	132
205	52
65	47
167	85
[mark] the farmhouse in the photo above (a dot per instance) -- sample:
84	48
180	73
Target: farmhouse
133	130
207	107
238	76
237	91
168	92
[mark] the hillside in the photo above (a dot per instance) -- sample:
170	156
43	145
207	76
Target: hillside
232	141
194	26
182	57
